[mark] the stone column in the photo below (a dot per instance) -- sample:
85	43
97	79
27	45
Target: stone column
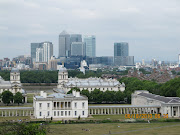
178	111
16	112
2	113
23	112
108	110
172	112
121	110
95	111
118	111
105	111
5	113
102	111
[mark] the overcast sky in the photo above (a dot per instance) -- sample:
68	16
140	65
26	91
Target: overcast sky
151	27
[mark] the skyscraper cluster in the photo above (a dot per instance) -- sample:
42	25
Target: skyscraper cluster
72	45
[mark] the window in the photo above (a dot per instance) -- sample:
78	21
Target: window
69	113
48	105
75	113
83	104
54	113
61	113
65	113
40	114
48	113
82	112
75	105
40	105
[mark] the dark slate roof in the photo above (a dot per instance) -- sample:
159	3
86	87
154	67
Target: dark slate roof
161	98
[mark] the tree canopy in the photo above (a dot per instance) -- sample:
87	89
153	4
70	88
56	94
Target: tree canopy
7	97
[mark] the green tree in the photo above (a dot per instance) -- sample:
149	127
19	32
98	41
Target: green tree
7	97
18	98
75	88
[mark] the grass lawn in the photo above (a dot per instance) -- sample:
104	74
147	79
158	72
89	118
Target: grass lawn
116	128
30	98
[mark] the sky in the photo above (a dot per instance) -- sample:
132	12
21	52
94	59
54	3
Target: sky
151	27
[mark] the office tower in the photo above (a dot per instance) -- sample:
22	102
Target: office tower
64	44
34	46
75	38
90	42
47	51
78	49
41	52
121	55
121	49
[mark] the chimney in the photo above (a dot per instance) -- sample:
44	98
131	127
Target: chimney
77	94
74	93
43	94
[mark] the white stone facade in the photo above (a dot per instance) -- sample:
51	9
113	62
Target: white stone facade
14	85
60	105
90	84
168	105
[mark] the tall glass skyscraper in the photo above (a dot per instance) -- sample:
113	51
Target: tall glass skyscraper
121	49
121	55
78	49
90	42
64	44
41	52
34	46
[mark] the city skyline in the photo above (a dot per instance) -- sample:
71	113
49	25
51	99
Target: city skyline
150	28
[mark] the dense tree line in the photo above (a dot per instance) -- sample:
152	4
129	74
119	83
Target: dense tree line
98	96
38	76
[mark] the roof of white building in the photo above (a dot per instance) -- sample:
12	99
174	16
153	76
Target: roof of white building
61	96
4	84
161	98
98	82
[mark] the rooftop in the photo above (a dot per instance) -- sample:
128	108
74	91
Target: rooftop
161	98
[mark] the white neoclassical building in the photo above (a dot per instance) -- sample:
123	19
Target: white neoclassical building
14	85
60	105
168	105
90	84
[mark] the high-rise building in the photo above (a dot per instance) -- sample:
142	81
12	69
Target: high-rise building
78	49
75	38
64	44
41	52
121	49
90	42
47	51
121	55
34	46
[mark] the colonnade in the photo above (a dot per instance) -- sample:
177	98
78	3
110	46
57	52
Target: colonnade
62	105
120	110
16	111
